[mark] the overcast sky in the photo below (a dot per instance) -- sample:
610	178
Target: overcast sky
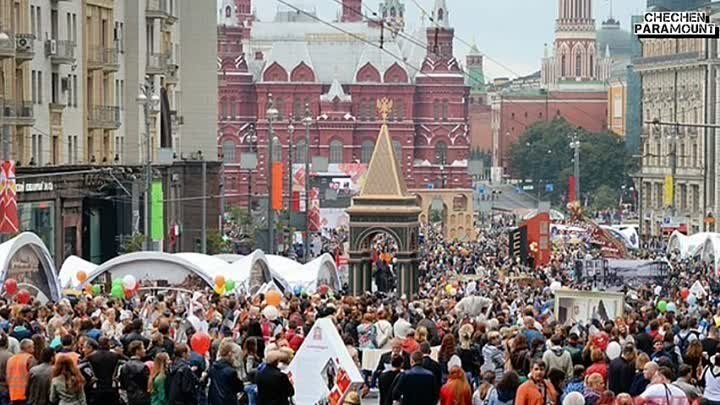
510	32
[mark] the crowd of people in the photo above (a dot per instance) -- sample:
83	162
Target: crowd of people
473	335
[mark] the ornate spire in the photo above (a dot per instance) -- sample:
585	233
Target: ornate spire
384	177
441	14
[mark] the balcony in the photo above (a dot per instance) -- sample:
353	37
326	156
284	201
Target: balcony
157	63
7	47
105	117
156	9
60	52
18	113
106	59
24	47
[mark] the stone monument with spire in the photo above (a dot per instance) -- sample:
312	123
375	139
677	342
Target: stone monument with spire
384	206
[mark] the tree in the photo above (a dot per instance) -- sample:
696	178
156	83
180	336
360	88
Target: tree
605	198
543	155
217	243
132	243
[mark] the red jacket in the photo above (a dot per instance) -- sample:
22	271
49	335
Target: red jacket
446	397
600	368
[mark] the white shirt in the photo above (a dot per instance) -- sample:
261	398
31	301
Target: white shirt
664	394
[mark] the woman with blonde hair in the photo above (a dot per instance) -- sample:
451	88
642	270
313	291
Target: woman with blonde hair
457	390
469	353
158	377
67	386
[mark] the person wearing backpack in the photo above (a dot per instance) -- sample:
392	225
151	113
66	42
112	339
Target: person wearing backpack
557	358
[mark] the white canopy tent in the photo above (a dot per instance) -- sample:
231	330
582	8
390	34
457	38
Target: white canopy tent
705	245
26	258
309	276
71	267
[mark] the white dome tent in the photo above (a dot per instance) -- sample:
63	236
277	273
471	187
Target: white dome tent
309	276
153	266
27	259
209	264
71	267
705	245
253	271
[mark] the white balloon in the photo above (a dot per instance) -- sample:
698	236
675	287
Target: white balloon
658	290
555	285
613	350
129	282
270	313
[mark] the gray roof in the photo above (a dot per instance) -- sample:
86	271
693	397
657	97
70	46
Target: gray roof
619	40
336	91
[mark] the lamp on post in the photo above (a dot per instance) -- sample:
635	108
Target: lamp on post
272	114
251	141
149	105
575	145
307	122
291	132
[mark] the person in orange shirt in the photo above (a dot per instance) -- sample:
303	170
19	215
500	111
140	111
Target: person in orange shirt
536	390
18	372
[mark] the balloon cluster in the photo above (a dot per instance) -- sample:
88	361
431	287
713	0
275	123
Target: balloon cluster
223	286
124	287
11	288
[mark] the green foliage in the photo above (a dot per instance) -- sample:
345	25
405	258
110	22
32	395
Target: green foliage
216	244
132	243
436	216
605	198
543	155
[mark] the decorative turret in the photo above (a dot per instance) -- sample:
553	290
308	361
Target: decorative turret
351	11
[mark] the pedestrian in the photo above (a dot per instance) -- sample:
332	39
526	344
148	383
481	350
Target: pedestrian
536	390
157	381
599	365
225	385
493	356
18	372
134	376
67	384
555	357
594	389
105	364
661	390
41	379
431	365
711	381
4	357
457	390
643	378
251	361
182	383
417	385
274	386
387	380
622	370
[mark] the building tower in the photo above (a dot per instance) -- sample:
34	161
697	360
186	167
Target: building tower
440	35
393	14
351	11
476	76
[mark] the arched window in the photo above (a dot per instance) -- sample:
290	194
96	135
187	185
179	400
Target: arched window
397	150
436	110
392	12
366	151
300	152
336	152
441	15
592	67
578	65
445	110
277	151
228	12
297	108
228	151
562	66
232	108
441	151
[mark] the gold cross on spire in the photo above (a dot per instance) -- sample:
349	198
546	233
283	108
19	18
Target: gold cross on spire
384	106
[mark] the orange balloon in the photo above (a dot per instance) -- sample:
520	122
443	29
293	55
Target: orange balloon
219	281
273	298
89	289
82	276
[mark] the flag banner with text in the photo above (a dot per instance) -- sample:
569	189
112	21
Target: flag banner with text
9	222
668	192
572	193
277	187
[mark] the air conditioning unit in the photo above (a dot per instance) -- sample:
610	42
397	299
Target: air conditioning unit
52	47
23	44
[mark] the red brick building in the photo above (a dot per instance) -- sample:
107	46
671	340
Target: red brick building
302	61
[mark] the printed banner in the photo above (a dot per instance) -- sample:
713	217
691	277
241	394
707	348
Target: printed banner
668	196
277	186
572	193
10	223
157	231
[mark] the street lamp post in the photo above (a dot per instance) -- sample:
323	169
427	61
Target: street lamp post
272	114
575	145
291	133
4	131
307	122
149	105
251	141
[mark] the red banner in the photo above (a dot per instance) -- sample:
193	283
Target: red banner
295	201
572	193
538	231
314	215
277	186
9	222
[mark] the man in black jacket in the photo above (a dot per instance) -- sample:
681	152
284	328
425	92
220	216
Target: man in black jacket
274	386
134	376
182	384
386	381
224	382
386	358
104	364
134	334
432	366
415	386
621	371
